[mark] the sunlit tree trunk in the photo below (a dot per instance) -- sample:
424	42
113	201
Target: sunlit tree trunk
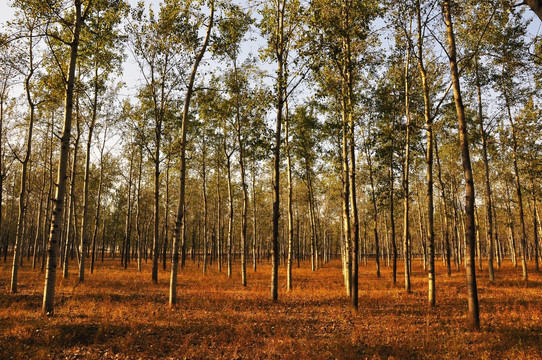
3	98
510	226
128	222
180	221
488	203
535	226
56	221
392	220
85	220
406	194
472	290
205	204
254	217
523	239
219	238
375	210
24	170
444	213
346	248
39	234
290	198
138	211
166	216
243	186
429	164
229	242
280	8
98	204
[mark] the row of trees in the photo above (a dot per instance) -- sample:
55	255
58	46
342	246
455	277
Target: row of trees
359	117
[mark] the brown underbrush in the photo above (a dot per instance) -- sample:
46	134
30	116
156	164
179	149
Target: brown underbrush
121	314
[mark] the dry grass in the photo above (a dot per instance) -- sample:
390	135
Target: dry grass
119	314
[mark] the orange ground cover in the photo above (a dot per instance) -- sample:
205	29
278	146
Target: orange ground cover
119	314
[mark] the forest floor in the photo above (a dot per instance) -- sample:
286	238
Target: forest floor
120	314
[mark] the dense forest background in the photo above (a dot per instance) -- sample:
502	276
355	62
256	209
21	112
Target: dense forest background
234	133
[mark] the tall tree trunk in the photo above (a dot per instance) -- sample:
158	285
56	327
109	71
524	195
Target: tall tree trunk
535	226
180	220
281	98
85	220
56	222
98	204
472	290
229	243
166	217
523	239
488	203
24	171
205	204
138	210
314	227
375	209
48	212
71	228
128	222
392	221
347	252
290	199
445	213
429	164
156	234
406	194
3	98
254	216
243	185
510	225
39	233
219	237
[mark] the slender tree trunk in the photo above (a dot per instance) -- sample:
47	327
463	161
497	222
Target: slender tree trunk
290	199
472	290
180	220
3	96
71	228
254	227
314	227
219	237
138	210
406	194
392	221
511	231
535	226
445	213
243	185
429	163
166	216
56	223
39	233
347	257
48	212
205	204
281	99
156	234
24	173
98	204
229	243
523	239
375	210
85	220
488	204
128	222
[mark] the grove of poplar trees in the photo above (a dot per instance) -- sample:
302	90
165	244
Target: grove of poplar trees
239	132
